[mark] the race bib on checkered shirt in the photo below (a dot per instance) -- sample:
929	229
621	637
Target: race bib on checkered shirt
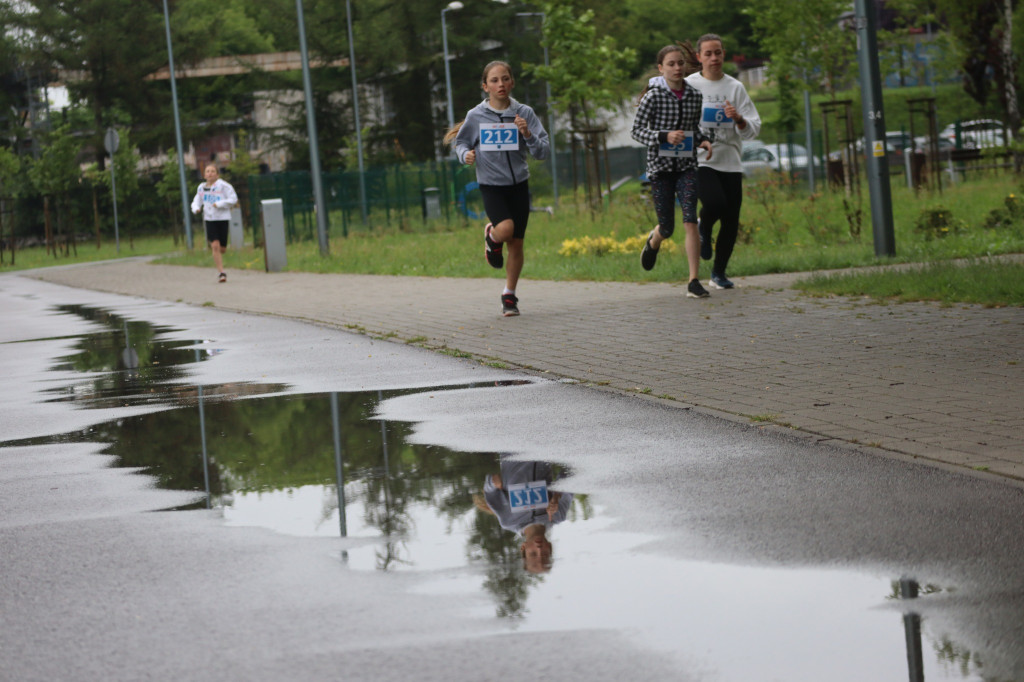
678	151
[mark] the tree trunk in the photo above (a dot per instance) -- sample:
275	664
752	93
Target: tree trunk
48	229
1009	81
96	215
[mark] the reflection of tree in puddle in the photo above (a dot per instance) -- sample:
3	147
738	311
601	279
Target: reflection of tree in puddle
127	364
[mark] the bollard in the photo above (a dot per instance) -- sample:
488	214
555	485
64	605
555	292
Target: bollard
274	253
236	232
431	203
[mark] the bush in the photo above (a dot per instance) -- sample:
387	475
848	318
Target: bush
1008	215
937	222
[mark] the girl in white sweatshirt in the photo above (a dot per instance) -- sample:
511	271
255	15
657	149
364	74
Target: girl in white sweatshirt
732	116
215	198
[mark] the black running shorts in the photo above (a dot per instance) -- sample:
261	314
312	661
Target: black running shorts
504	202
217	231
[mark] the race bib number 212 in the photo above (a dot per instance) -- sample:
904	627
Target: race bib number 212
498	137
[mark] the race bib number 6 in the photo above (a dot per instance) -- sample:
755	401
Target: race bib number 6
684	148
714	117
524	496
498	137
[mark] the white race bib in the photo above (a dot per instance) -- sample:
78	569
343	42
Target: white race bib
714	116
527	496
498	137
678	151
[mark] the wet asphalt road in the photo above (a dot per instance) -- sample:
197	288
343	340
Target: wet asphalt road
94	587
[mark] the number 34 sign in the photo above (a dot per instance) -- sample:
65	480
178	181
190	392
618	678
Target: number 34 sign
498	137
525	496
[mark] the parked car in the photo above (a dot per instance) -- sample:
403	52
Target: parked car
978	134
945	145
789	158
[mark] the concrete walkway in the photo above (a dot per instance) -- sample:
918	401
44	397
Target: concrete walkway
943	385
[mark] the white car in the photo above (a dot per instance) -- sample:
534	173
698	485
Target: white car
789	158
985	132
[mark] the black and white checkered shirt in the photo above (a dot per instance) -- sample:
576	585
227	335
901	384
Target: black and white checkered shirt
661	112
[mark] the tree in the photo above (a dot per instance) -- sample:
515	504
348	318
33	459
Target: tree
126	176
168	187
805	41
10	172
53	174
590	77
88	42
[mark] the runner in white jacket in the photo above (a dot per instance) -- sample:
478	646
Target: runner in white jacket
215	198
731	115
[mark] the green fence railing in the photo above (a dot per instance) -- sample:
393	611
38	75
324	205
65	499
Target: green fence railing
394	195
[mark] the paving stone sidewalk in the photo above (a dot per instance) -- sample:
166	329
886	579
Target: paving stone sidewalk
938	384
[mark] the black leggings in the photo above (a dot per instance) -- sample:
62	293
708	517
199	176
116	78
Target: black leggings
721	196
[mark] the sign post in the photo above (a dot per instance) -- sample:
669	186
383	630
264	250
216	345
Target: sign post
111	141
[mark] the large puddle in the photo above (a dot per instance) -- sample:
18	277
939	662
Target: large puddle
549	559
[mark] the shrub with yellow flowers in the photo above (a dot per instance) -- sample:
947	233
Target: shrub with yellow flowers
599	246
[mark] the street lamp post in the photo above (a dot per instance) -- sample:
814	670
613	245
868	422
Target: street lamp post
314	146
551	113
177	134
452	6
355	108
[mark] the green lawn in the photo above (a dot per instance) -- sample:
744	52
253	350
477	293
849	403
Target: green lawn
784	230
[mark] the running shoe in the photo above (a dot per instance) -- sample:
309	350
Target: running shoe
696	290
721	281
649	255
492	249
222	277
509	305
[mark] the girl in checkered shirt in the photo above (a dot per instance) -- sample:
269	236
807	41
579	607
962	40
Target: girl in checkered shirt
667	121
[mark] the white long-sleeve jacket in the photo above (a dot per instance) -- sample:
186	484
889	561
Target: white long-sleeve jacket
216	202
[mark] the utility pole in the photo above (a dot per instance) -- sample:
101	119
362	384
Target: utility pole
865	17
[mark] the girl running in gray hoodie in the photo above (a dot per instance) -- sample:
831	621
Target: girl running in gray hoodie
495	136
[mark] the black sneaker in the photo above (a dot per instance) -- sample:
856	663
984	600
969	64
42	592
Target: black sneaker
649	255
696	290
705	241
721	281
492	249
509	307
222	277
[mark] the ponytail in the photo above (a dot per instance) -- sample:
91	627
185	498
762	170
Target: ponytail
452	133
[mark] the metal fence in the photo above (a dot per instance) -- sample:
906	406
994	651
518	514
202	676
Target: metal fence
409	195
394	195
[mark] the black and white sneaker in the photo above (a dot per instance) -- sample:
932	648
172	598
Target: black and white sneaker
649	255
222	277
509	305
721	281
492	249
696	290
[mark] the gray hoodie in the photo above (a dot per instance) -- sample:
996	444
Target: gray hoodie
501	167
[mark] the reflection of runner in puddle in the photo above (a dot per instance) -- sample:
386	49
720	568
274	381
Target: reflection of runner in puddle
520	499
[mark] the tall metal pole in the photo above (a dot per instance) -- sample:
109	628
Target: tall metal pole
874	129
113	189
185	209
355	106
447	69
314	146
551	111
809	134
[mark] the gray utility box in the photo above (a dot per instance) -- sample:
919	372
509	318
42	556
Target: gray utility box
431	203
236	231
275	255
